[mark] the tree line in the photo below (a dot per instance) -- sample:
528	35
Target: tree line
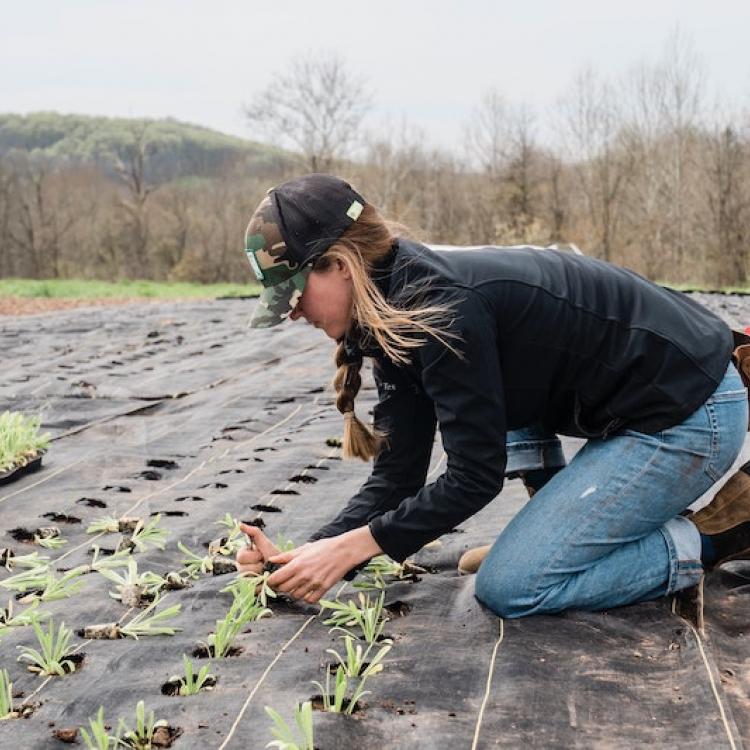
645	170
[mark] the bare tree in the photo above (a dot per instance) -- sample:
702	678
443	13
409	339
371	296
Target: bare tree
131	163
315	106
592	122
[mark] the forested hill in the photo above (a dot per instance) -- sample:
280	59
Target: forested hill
172	149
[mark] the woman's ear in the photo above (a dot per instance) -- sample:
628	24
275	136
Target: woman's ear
343	269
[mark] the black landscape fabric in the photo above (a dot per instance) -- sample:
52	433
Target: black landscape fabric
179	409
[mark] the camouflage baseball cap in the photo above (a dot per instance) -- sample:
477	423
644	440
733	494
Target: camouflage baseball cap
293	225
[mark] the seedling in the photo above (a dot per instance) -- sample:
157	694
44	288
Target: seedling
100	738
27	617
6	695
144	623
54	648
148	534
244	609
30	561
42	584
106	525
249	583
233	542
20	441
195	564
50	542
334	702
33	578
285	737
369	616
132	588
191	683
376	570
356	663
141	737
108	562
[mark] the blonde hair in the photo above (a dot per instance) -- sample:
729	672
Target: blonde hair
365	244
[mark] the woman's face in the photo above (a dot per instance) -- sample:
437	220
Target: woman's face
326	301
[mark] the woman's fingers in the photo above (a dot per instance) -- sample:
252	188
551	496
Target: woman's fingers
262	543
249	555
250	569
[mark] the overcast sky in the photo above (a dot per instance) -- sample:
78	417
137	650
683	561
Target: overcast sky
426	61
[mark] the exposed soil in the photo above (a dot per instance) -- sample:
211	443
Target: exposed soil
398	608
92	502
201	651
61	517
172	687
318	705
67	734
35	305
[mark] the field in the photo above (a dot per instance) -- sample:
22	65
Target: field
179	409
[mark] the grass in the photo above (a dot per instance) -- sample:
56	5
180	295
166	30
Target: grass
88	289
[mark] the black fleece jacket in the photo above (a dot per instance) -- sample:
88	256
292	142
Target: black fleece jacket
581	345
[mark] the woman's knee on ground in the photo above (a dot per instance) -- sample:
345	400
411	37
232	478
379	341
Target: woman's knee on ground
508	593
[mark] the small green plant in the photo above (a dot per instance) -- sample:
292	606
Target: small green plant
334	701
20	441
374	573
357	662
108	562
195	564
244	609
106	525
100	738
145	623
369	616
191	683
285	737
6	695
54	648
51	542
133	587
248	583
146	534
33	578
42	584
141	737
27	617
233	542
30	561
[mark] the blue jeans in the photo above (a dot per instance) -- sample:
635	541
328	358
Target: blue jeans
605	530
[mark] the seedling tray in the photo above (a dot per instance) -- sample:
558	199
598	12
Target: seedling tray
6	477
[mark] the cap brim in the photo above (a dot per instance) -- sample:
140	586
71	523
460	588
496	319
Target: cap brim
277	301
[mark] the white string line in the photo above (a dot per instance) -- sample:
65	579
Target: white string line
487	688
260	681
719	703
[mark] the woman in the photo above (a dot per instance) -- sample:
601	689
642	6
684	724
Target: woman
504	350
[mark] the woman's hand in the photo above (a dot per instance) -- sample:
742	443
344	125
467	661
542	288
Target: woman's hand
250	559
310	570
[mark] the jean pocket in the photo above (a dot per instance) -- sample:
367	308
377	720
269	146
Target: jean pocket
728	418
